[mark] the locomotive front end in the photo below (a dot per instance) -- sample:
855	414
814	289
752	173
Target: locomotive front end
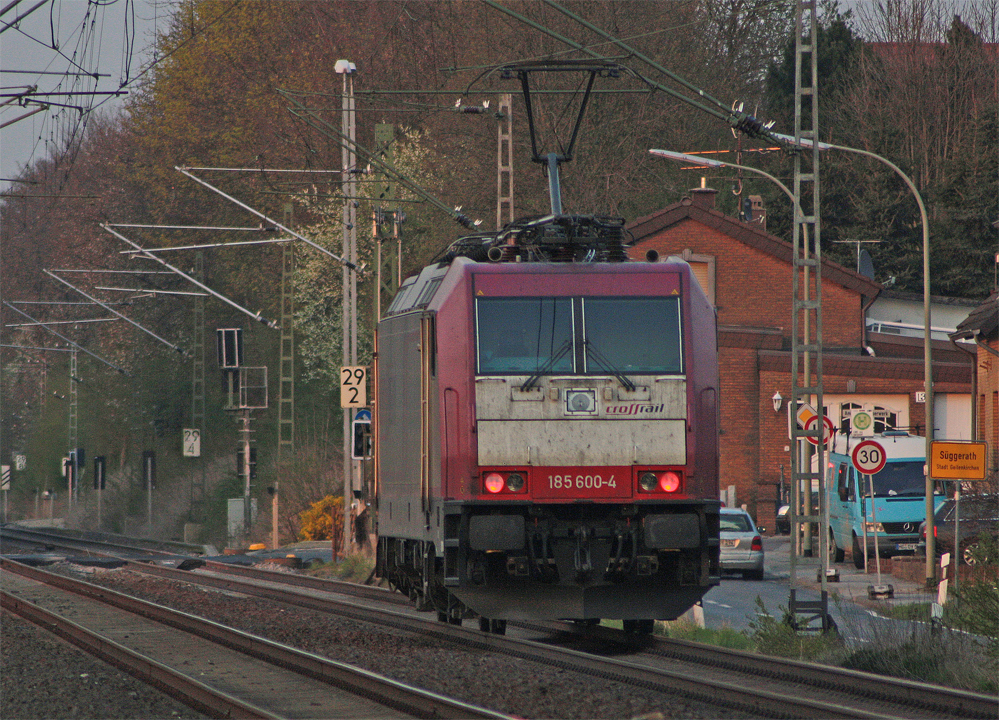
547	440
594	487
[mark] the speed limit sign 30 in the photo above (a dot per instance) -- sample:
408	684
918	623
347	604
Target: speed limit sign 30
869	457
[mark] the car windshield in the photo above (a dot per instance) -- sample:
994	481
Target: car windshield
898	478
732	522
973	507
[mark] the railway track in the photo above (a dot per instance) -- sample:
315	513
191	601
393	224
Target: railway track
225	672
98	543
765	686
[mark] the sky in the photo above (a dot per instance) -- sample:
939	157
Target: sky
51	48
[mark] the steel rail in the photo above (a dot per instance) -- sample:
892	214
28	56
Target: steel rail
307	581
192	693
943	701
105	542
385	691
896	690
694	685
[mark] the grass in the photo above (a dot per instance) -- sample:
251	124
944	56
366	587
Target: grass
725	637
355	568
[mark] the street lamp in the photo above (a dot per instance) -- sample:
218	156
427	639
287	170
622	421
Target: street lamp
710	162
927	340
798	218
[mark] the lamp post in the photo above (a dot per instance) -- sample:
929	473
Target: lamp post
927	339
798	217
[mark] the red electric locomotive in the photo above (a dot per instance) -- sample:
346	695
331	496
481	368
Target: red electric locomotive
546	431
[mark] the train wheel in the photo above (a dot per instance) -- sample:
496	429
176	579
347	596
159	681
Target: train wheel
441	616
483	624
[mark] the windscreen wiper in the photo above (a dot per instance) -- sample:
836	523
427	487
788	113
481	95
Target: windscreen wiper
549	364
605	364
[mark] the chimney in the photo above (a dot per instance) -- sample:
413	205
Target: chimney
703	197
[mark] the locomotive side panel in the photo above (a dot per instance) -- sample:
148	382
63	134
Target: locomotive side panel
702	379
455	376
401	512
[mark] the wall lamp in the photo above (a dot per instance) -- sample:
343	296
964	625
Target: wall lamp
778	401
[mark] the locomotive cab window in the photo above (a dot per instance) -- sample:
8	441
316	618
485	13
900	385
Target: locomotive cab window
524	335
632	335
579	336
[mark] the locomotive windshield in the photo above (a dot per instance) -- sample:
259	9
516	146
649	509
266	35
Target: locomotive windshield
578	336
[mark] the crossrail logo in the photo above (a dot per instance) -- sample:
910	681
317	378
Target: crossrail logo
635	409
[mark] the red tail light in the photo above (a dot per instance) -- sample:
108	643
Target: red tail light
662	481
503	481
757	543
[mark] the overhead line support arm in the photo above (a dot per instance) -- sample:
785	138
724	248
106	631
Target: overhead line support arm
256	316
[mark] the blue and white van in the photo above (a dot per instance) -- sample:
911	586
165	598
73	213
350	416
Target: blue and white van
899	503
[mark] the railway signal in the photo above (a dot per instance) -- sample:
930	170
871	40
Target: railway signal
361	445
99	467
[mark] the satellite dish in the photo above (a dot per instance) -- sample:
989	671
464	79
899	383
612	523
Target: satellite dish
865	266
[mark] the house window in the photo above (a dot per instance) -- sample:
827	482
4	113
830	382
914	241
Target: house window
703	267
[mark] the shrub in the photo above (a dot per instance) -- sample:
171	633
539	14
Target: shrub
323	520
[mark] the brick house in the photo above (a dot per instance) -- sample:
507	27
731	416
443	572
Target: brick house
746	273
982	328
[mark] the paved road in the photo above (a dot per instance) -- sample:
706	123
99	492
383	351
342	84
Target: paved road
733	603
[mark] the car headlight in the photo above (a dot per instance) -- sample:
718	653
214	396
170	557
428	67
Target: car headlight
874	527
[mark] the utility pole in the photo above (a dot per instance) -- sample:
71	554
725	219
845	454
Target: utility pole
806	321
286	374
197	498
348	159
504	162
74	406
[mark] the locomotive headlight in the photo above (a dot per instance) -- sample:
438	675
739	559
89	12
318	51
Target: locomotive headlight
515	483
580	401
494	482
648	481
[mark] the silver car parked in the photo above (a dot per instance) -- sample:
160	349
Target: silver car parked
741	544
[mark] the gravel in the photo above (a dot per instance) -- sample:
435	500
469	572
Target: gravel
45	678
501	683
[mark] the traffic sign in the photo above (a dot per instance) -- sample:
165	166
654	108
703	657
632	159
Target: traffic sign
957	460
869	457
827	429
353	386
806	417
191	442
